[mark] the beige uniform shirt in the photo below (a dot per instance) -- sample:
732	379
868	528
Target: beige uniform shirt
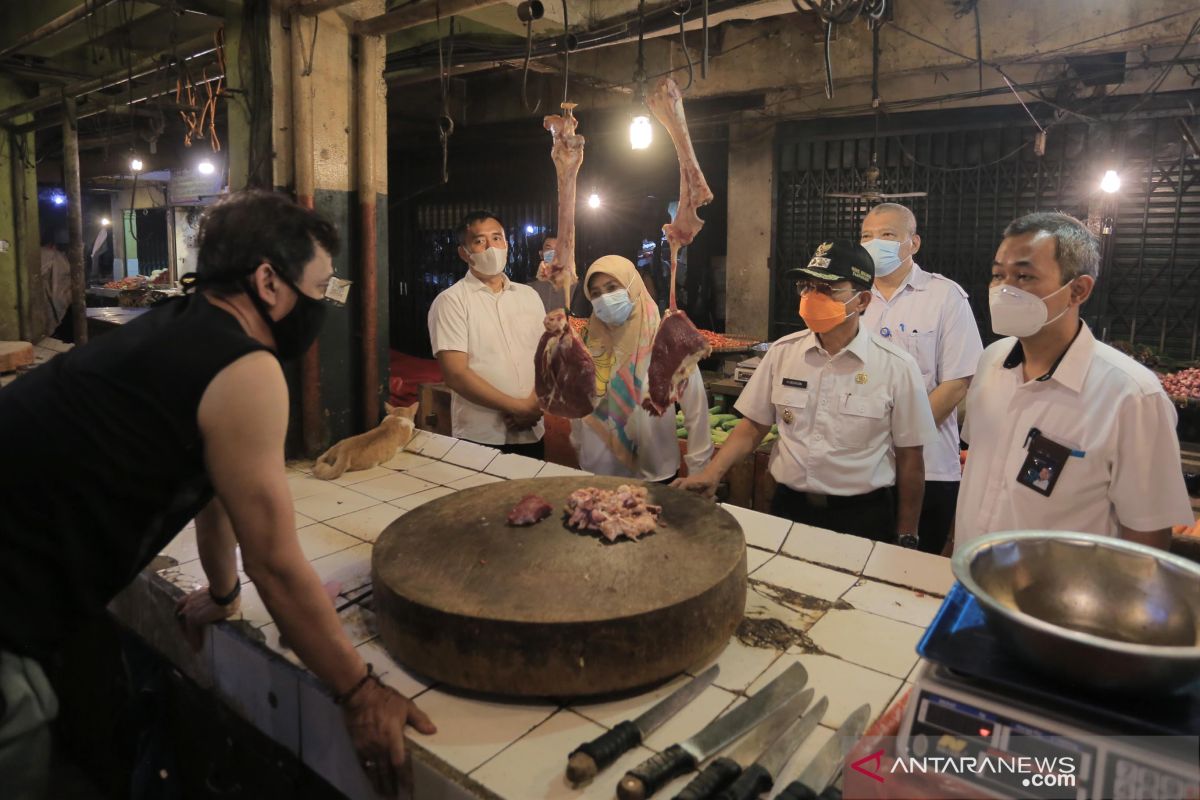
839	417
1109	410
499	332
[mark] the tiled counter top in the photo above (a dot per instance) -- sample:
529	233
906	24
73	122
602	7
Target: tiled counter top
851	611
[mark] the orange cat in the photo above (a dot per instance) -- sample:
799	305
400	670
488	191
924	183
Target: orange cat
368	449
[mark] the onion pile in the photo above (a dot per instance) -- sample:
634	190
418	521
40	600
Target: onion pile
1185	383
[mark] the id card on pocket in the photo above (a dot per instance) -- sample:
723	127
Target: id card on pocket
1044	464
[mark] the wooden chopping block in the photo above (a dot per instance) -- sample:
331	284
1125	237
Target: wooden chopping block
543	610
14	355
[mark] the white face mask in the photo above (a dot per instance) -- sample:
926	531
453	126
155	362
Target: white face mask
490	262
1016	312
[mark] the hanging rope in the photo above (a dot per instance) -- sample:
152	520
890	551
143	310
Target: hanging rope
445	121
566	51
681	11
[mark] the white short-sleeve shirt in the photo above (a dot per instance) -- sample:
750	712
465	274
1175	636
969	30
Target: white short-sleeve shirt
499	332
1109	410
929	317
839	417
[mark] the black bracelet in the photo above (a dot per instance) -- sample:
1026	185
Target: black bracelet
342	698
229	598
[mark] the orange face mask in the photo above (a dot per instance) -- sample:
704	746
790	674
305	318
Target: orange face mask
821	313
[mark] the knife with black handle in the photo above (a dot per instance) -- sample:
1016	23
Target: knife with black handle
815	781
760	776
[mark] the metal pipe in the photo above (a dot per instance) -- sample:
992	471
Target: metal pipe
55	25
372	94
417	14
315	7
302	146
147	66
74	219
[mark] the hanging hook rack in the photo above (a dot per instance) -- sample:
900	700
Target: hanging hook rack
681	10
527	12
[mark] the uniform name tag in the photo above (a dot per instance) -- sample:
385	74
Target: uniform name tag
795	384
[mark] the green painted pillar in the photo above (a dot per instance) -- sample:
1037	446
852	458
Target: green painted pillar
21	312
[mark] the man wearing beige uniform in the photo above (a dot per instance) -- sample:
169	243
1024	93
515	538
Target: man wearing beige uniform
485	330
1065	432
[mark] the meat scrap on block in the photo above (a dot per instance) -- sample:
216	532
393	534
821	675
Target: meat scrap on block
678	345
564	373
529	511
613	512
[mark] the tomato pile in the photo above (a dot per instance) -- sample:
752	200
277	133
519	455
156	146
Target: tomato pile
132	282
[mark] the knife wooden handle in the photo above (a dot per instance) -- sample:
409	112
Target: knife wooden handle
712	779
753	781
798	791
654	773
589	758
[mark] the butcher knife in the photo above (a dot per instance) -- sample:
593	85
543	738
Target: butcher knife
591	757
760	776
723	770
826	765
679	759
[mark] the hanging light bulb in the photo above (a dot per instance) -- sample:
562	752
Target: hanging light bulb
593	200
1111	182
104	221
135	164
641	132
206	167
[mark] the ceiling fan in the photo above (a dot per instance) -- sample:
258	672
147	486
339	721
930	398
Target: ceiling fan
870	190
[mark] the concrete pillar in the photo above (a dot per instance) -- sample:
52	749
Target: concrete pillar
748	292
21	311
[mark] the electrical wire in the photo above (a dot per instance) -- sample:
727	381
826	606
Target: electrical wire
829	60
566	52
1162	77
525	69
445	121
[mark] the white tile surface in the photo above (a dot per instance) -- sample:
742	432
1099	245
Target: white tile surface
740	665
183	547
393	487
760	604
761	530
534	767
806	578
350	567
319	540
263	690
755	558
333	502
303	485
872	641
470	482
351	477
472	730
507	465
905	605
913	568
405	460
846	685
431	445
828	547
252	609
440	474
368	523
559	471
406	683
420	498
470	455
302	521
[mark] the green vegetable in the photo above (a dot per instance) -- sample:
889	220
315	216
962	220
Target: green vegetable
715	410
730	424
681	433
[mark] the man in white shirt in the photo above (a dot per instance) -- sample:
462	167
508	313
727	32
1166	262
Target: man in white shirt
928	315
1065	432
484	330
851	409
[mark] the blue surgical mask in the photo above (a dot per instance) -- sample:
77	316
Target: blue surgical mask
885	254
548	256
614	308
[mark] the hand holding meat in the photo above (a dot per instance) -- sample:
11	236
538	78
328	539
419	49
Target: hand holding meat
702	484
375	716
564	373
524	414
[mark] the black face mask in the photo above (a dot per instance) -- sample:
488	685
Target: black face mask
296	332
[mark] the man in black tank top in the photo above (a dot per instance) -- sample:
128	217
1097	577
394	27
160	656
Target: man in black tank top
203	373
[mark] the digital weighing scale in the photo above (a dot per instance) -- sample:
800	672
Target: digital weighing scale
974	697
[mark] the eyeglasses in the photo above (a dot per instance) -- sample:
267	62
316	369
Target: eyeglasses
805	287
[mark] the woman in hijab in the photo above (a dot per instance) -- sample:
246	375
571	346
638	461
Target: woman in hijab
620	437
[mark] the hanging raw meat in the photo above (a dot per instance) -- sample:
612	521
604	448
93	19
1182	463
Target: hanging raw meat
564	373
678	345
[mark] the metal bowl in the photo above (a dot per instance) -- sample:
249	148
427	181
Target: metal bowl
1095	610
